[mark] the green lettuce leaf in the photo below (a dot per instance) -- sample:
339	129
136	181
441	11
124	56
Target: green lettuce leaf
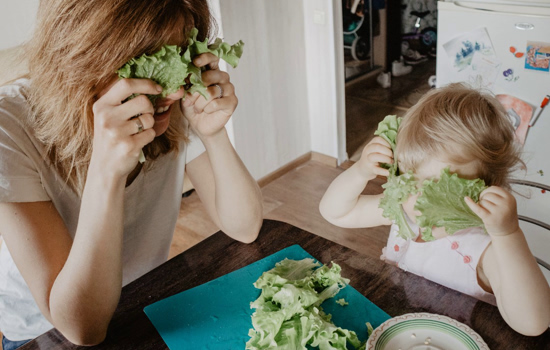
288	315
387	129
442	204
172	69
342	302
397	190
165	67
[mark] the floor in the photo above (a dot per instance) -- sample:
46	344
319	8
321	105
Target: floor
367	103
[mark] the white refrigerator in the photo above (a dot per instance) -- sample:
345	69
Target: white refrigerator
504	46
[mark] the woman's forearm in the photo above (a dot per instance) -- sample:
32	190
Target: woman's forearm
523	294
87	289
238	199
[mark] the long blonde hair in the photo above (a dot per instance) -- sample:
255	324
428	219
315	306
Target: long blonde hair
464	125
77	48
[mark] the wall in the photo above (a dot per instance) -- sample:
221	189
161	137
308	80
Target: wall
286	81
321	72
16	21
272	121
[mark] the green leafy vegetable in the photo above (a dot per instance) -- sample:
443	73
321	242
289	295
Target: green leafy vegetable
170	68
288	314
397	188
165	67
342	302
387	129
442	204
369	329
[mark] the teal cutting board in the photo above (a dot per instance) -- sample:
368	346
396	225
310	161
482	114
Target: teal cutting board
216	315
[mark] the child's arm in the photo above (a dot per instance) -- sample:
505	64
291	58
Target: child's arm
522	292
343	205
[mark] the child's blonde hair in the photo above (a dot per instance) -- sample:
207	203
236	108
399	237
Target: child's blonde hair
463	125
76	50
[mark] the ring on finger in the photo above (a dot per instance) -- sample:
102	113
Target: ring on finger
139	124
221	91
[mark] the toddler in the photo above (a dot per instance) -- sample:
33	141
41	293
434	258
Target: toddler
464	132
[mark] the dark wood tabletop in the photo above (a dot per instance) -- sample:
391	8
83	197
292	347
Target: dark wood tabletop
393	290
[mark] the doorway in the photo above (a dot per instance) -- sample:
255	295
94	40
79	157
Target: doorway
367	101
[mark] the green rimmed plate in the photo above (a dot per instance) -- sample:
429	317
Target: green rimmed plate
424	331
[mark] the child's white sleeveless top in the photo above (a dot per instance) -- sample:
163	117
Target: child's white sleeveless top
450	261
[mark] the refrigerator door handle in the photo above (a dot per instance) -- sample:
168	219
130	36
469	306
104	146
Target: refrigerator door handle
512	9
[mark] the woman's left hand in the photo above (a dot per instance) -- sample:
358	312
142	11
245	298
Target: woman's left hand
498	210
208	117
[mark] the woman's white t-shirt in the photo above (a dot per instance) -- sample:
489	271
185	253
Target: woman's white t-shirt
151	207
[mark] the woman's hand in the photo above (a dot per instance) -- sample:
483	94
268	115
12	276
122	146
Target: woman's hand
497	208
208	117
118	139
375	152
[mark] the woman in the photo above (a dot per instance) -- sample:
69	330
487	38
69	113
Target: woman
80	216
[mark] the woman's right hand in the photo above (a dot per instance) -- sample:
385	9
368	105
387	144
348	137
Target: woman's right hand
117	143
375	152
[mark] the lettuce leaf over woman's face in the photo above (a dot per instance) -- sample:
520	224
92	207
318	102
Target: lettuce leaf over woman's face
166	67
171	69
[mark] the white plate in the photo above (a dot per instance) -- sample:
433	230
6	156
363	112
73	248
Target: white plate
423	331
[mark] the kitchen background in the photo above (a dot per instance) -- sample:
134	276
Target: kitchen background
307	92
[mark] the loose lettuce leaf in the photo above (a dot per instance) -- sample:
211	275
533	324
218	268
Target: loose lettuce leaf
442	204
288	315
342	302
171	69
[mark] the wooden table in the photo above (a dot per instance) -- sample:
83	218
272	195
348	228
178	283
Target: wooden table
395	291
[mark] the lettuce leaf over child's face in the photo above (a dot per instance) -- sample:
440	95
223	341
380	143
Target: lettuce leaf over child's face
441	202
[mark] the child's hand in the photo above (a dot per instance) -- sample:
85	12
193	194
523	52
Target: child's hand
375	152
497	209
